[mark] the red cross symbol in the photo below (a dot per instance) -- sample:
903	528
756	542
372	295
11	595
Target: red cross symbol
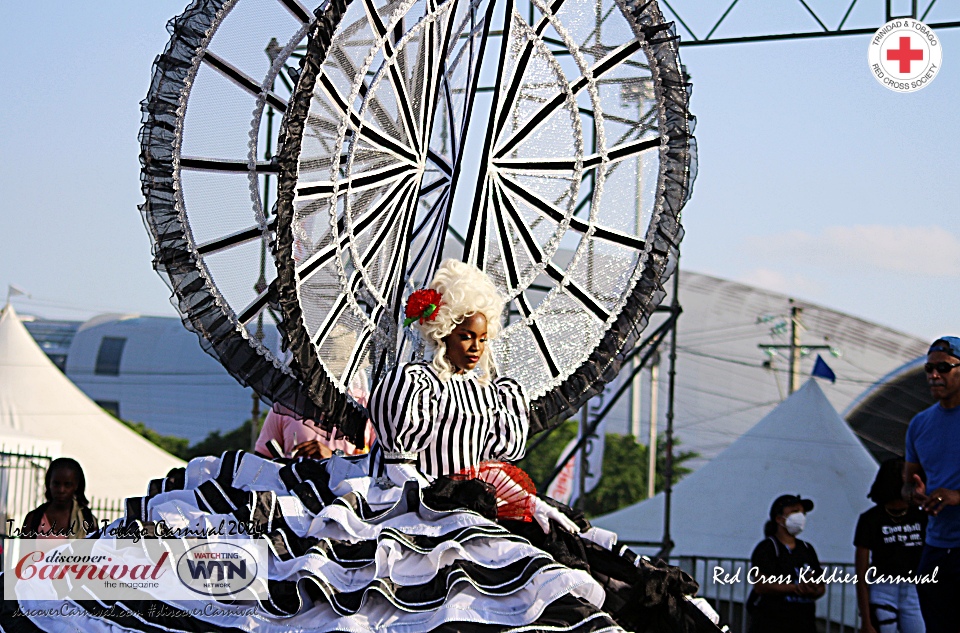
905	54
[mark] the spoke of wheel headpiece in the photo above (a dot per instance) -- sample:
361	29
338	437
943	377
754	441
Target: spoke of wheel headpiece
431	70
368	133
403	101
298	10
399	87
337	309
526	165
315	190
473	250
506	246
398	264
533	249
402	208
429	217
369	179
239	237
599	69
437	218
433	186
537	335
345	64
520	67
578	293
227	166
325	254
246	315
356	356
373	17
436	64
236	76
577	224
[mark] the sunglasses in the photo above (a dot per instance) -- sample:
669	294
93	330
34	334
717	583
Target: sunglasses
941	368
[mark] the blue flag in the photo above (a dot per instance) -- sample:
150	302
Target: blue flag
822	370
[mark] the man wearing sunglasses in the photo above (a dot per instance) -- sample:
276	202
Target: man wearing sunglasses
933	445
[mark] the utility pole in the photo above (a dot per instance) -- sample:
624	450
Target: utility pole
652	445
795	347
635	401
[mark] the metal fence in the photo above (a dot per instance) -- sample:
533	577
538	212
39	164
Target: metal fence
107	510
21	486
724	583
22	489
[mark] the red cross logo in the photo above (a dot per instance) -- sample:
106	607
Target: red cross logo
905	54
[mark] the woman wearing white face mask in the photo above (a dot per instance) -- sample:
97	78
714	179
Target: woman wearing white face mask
782	599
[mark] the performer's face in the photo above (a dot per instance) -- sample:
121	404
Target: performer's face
465	344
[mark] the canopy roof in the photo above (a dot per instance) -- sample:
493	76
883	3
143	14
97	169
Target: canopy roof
38	404
801	447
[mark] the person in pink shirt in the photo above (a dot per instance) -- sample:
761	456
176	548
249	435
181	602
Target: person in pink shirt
301	438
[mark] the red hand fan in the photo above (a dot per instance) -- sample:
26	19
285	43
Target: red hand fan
514	489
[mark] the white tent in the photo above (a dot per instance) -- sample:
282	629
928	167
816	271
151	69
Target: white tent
801	447
42	411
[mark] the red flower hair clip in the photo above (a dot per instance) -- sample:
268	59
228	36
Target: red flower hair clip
422	305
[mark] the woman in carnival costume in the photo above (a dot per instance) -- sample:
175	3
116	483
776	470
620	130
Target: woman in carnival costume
430	531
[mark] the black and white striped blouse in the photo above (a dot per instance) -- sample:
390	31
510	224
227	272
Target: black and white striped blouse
446	427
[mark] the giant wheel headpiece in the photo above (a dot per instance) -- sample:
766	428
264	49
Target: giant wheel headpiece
563	179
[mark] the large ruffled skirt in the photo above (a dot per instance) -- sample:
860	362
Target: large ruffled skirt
346	554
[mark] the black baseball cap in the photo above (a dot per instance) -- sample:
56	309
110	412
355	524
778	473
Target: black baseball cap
783	501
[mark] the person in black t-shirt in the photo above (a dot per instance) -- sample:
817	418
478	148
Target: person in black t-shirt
781	602
889	541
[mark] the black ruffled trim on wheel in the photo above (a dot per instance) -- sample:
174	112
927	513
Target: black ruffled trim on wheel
678	157
194	295
349	419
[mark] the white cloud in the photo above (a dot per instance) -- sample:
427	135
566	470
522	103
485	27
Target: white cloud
931	251
779	282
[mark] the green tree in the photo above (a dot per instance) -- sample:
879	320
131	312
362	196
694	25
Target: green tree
624	479
170	443
216	443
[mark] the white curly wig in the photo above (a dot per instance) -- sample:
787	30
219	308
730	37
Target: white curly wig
465	291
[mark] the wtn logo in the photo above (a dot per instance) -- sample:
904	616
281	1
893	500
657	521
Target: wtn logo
207	568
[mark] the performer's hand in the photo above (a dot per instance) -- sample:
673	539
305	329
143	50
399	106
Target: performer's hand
940	498
917	494
543	512
311	448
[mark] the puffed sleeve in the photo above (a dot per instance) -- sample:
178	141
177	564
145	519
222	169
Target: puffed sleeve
403	409
511	423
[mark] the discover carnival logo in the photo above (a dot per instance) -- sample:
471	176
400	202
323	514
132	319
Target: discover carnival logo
905	55
124	569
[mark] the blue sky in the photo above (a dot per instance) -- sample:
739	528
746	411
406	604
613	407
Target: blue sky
814	180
